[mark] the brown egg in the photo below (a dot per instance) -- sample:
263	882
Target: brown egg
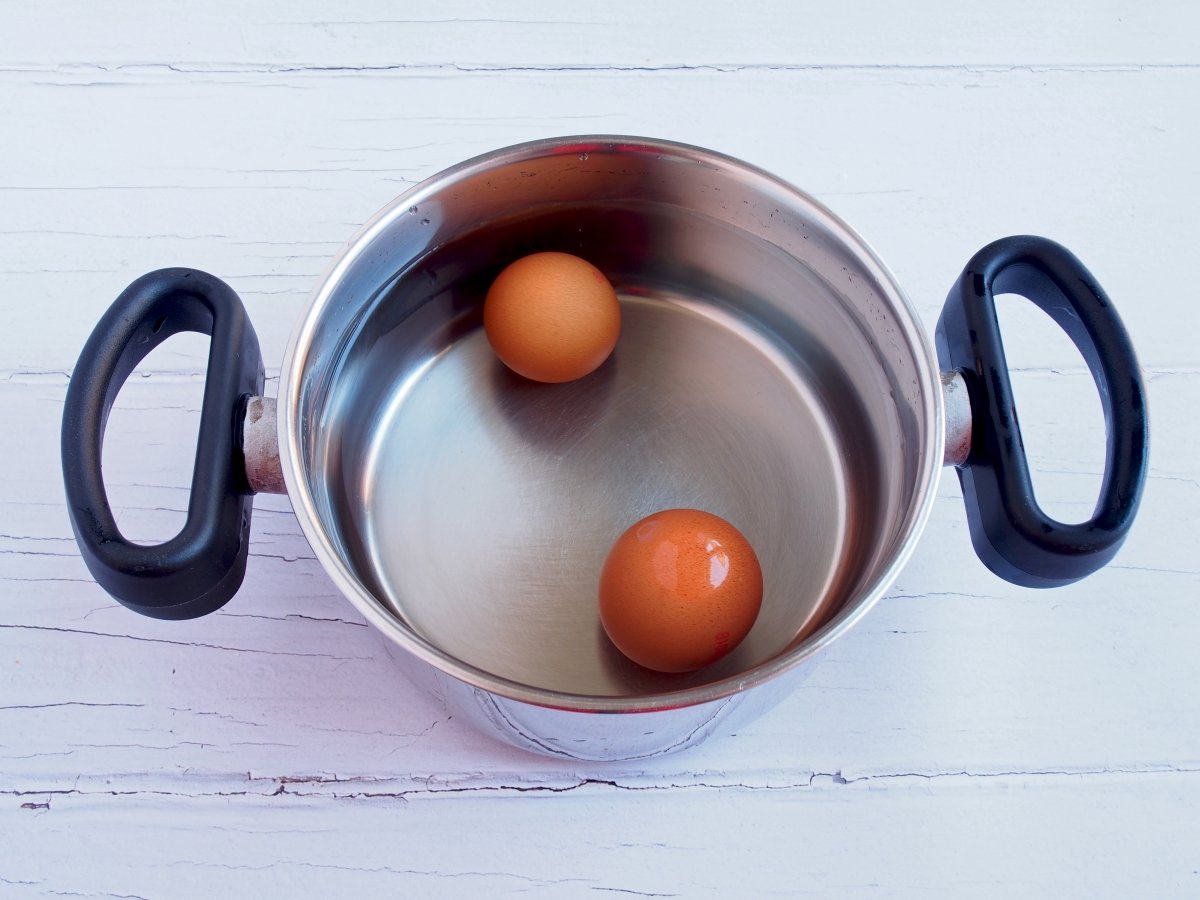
679	590
552	317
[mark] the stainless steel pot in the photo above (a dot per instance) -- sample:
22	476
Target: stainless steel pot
769	370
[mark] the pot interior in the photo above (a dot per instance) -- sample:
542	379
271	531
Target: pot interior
767	371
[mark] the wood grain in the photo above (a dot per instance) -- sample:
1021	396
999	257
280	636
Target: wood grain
968	739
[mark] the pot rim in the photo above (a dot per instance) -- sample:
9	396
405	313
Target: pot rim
305	508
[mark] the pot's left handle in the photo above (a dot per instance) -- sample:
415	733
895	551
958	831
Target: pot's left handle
200	569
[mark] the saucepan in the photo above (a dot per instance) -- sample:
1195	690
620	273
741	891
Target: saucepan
769	370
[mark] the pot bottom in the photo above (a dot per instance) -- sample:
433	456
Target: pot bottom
491	501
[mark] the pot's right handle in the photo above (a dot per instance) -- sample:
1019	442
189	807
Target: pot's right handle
199	569
1011	534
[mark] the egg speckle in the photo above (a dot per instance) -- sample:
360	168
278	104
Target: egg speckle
679	590
552	317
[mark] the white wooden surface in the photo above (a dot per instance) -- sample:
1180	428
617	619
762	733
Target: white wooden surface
969	739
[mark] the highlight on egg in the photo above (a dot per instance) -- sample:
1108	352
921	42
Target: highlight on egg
552	317
679	590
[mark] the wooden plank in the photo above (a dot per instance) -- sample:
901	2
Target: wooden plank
1005	836
378	35
928	166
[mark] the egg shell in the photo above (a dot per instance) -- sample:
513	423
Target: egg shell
679	590
552	317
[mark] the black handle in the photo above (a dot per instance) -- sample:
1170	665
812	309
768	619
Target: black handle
199	569
1011	534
